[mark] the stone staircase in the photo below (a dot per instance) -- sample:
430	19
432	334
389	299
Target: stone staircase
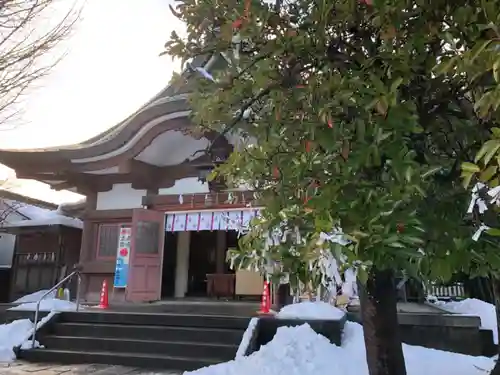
151	340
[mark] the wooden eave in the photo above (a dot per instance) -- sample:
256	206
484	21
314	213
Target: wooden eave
61	168
5	194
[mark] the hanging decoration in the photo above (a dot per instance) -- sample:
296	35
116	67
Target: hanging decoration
482	205
237	25
476	200
480	231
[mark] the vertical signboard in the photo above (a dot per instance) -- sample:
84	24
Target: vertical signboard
123	257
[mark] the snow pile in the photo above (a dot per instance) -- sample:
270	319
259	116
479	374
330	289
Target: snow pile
247	336
301	351
52	304
34	297
311	310
475	307
41	216
17	334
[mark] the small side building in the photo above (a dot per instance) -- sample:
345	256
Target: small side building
47	246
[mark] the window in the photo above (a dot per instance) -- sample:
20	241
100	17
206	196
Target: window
107	240
147	237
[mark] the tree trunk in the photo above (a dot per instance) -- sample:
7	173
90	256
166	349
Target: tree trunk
384	353
496	292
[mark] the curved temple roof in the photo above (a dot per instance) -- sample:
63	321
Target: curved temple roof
152	147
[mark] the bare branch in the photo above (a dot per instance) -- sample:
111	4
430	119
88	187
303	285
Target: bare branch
28	36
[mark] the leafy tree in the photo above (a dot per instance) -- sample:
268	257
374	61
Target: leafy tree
347	116
481	67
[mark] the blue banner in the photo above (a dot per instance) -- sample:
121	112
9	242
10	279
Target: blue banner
122	258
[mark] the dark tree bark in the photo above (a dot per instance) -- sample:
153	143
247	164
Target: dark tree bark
283	296
496	291
384	353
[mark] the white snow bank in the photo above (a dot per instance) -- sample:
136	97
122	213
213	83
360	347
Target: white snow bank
247	336
475	307
34	297
311	310
52	304
17	334
301	351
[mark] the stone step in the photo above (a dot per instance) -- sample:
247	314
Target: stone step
168	341
8	316
144	332
214	351
165	319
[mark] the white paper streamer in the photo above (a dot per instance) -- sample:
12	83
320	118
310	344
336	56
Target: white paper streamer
205	73
476	200
480	231
495	195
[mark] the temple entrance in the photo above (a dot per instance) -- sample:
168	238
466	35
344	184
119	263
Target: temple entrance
202	262
169	264
195	253
194	264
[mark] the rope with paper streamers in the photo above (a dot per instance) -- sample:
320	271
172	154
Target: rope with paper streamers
326	265
482	205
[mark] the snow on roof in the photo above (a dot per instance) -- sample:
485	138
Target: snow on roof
40	217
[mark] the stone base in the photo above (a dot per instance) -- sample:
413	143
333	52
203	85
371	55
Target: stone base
428	326
268	325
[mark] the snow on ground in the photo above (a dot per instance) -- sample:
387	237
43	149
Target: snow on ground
34	297
17	334
49	302
247	336
475	307
52	304
311	310
301	351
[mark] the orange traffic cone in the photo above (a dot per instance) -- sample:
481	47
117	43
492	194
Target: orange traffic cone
265	305
103	301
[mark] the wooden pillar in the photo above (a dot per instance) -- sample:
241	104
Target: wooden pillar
182	264
149	193
220	251
87	241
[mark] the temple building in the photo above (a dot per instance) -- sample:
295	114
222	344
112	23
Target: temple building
152	226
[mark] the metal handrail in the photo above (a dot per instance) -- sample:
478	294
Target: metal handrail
37	310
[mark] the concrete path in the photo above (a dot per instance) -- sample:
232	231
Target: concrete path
23	368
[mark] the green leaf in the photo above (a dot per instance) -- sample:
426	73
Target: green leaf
476	50
431	172
496	132
362	275
487	174
396	84
466	179
396	244
493	232
445	66
470	168
496	70
492	151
